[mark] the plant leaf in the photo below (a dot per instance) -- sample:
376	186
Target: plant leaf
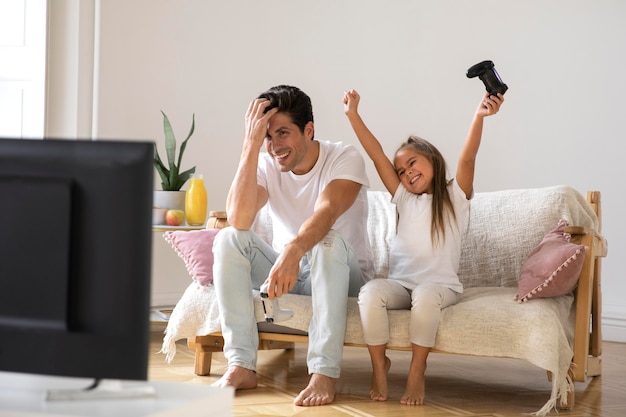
183	177
170	142
162	171
171	179
184	144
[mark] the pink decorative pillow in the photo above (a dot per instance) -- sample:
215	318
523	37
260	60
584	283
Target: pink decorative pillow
196	249
552	268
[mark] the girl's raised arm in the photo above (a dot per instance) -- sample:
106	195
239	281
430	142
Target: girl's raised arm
372	146
488	106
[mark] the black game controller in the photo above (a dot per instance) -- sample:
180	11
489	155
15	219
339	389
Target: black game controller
489	76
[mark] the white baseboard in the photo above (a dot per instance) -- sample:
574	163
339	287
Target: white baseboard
165	298
614	323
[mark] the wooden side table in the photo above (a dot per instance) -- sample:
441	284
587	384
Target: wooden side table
216	220
165	227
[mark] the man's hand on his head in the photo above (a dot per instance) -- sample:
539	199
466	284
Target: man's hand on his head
257	120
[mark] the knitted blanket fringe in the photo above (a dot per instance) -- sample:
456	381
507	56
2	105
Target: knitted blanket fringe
561	386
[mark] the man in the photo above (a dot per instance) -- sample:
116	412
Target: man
316	193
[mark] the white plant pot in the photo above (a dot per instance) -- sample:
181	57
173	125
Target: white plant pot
169	199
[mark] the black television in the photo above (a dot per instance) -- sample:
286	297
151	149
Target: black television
75	258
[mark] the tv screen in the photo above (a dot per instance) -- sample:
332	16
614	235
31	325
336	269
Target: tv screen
75	257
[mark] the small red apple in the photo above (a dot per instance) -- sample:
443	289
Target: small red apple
174	217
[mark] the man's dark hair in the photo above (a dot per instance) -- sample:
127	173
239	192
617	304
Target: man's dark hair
291	101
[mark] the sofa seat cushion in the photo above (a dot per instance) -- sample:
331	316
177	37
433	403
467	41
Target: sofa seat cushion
479	324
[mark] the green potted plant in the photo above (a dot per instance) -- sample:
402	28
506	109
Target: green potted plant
172	179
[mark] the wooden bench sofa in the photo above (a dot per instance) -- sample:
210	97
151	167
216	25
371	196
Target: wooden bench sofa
561	334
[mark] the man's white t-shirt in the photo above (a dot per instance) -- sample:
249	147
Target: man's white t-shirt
292	198
413	259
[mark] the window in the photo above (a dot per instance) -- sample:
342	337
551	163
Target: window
22	68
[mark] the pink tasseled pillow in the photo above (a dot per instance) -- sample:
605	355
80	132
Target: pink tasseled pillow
196	249
552	268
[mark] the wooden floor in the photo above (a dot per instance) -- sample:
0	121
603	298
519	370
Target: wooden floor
456	385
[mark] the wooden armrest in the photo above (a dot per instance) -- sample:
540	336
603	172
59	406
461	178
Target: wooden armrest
588	237
588	328
587	336
579	230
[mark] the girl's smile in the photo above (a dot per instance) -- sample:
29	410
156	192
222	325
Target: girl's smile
414	170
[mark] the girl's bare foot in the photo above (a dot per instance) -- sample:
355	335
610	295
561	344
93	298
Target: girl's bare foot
379	390
415	389
320	391
416	381
238	378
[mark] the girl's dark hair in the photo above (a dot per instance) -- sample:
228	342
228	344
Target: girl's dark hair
442	208
291	101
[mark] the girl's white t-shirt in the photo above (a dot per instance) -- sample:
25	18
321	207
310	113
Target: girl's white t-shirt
413	259
292	198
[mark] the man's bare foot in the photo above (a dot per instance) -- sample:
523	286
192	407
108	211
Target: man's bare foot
238	378
320	391
415	390
378	390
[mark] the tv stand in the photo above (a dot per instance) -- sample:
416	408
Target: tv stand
168	399
103	390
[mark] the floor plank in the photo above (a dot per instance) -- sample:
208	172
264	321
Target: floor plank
457	385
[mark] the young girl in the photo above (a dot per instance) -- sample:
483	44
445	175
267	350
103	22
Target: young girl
424	257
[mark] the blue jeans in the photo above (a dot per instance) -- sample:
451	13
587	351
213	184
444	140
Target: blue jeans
329	273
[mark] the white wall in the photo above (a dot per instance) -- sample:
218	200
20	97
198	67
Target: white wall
563	61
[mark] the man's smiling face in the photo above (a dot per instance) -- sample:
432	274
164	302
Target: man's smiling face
288	145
